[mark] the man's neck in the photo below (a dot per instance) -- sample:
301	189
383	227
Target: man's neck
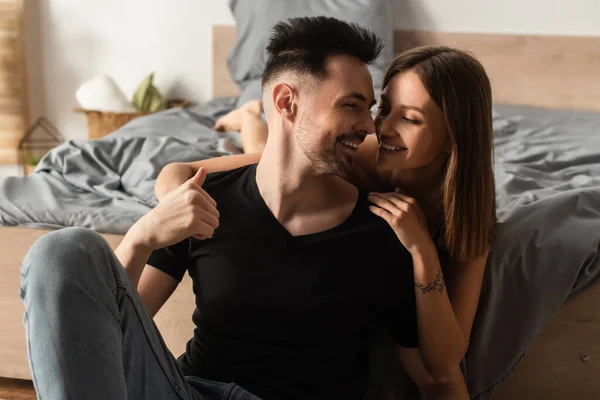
300	198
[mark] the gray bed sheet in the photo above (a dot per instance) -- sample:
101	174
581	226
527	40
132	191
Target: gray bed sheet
108	184
547	166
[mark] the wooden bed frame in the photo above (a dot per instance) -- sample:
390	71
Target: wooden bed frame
545	71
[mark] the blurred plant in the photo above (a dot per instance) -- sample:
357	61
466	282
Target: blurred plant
35	160
147	98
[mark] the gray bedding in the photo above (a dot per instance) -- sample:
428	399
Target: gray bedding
107	184
548	196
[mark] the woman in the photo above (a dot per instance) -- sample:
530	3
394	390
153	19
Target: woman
430	169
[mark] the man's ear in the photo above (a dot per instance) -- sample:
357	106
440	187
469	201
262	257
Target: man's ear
284	101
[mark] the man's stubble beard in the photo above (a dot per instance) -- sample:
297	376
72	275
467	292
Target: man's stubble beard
326	162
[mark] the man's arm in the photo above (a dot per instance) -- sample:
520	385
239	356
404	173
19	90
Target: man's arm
175	174
155	288
133	253
184	212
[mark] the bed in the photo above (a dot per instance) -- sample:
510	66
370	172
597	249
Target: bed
555	351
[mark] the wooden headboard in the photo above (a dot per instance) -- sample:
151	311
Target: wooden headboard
550	71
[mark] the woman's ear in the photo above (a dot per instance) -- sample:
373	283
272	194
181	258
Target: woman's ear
284	101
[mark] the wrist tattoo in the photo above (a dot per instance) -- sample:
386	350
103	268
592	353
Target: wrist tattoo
437	284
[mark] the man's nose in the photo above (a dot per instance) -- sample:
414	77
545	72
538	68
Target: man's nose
368	125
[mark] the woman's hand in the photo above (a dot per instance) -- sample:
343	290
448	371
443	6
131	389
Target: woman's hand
405	217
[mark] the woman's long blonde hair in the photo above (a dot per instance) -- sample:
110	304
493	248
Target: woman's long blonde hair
460	87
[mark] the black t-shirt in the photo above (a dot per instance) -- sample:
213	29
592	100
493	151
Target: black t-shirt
290	317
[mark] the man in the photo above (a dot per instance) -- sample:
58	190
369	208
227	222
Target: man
292	273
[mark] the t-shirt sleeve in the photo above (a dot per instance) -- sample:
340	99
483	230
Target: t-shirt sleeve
173	260
401	313
402	322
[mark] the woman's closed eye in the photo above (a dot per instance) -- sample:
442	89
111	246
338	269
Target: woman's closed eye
411	121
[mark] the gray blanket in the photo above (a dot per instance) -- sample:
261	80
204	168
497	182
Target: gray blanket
108	184
548	198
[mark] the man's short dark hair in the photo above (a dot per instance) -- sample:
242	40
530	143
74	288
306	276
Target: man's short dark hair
303	45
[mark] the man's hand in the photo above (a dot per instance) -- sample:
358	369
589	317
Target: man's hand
185	211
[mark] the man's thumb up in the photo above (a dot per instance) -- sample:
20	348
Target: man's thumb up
199	177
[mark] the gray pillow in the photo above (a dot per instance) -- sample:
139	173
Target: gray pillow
255	19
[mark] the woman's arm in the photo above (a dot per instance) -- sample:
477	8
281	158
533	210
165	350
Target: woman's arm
444	318
175	174
445	312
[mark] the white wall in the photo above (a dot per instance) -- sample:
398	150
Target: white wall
545	17
71	41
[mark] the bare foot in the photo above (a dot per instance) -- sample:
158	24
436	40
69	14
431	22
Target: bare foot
232	121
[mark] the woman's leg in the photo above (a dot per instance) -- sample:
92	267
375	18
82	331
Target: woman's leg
88	333
246	120
253	133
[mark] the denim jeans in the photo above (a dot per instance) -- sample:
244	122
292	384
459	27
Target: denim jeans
89	335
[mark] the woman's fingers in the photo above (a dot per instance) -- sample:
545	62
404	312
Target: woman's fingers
403	196
386	215
388	201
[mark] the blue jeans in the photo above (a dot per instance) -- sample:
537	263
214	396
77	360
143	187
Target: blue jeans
89	335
